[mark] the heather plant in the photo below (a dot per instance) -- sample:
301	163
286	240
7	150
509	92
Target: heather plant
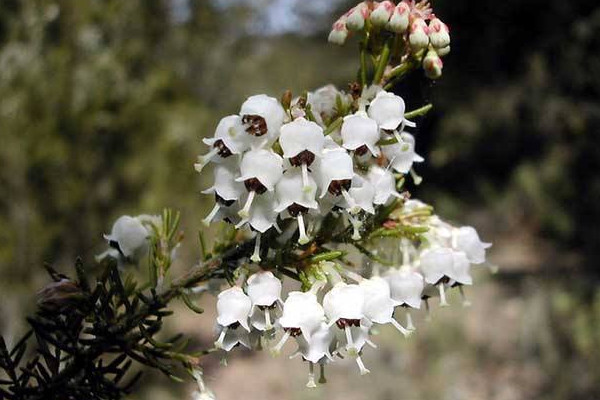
312	188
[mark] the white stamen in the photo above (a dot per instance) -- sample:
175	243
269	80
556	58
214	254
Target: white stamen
465	301
245	212
219	342
409	321
209	218
322	378
370	343
205	159
397	136
256	255
443	302
303	239
268	324
416	178
305	182
402	329
349	341
277	349
311	376
361	366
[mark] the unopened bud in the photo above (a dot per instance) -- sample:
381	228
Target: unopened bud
57	296
382	13
286	99
432	64
339	32
443	51
400	18
439	34
356	17
418	37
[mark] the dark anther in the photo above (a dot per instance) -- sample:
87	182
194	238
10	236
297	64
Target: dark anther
294	332
235	325
336	187
223	150
355	90
362	150
304	157
444	279
344	322
271	307
257	126
254	185
222	201
297	209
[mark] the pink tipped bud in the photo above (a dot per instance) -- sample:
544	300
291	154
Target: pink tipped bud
418	37
356	17
439	34
339	32
400	18
433	65
382	13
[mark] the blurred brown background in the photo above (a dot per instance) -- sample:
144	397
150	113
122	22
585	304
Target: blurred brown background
103	104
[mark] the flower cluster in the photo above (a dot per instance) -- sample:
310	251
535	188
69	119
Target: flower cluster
335	317
274	164
422	33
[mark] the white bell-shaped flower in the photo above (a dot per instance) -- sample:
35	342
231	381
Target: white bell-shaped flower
360	134
437	265
402	154
302	315
262	216
129	236
387	109
378	305
301	141
461	267
467	240
296	194
323	102
264	289
406	286
335	171
344	302
316	350
382	13
225	188
262	117
400	18
260	171
229	139
361	196
384	183
233	311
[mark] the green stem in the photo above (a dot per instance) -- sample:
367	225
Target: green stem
363	60
383	62
333	126
398	73
419	111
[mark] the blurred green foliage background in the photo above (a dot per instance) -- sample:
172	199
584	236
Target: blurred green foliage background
103	104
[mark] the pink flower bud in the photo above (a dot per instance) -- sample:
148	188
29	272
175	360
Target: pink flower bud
443	51
382	13
356	17
400	18
432	64
339	32
439	33
418	37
